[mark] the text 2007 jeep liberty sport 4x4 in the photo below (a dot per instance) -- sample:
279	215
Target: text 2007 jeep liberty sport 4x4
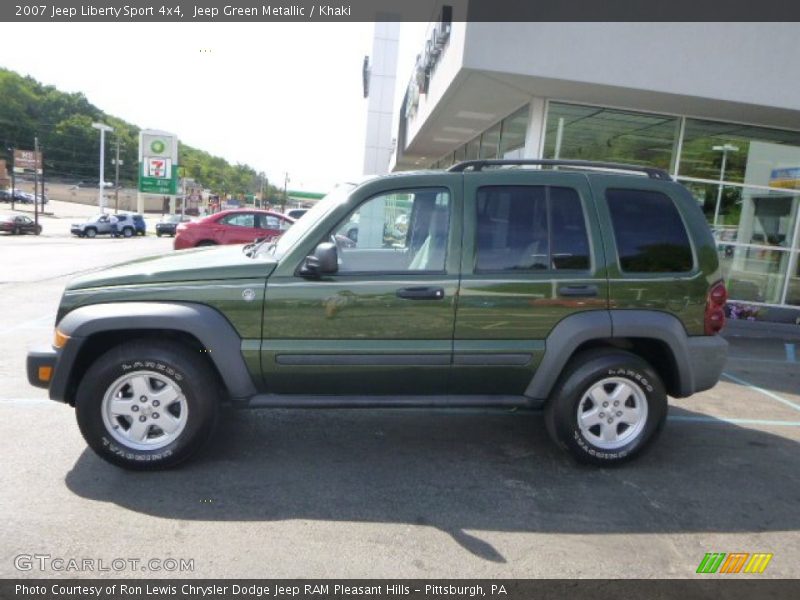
584	290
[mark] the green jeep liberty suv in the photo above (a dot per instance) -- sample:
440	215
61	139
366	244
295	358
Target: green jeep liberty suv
591	290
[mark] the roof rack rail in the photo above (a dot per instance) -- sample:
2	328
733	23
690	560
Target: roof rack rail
478	165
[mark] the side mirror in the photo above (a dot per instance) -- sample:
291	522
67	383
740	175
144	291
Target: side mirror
324	261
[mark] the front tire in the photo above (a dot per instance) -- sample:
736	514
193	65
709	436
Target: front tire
147	405
90	232
607	408
127	232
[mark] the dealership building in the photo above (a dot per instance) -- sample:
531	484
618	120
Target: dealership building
715	104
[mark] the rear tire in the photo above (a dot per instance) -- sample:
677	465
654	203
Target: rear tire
608	407
127	232
147	405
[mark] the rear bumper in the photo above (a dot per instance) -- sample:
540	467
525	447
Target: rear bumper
41	366
707	356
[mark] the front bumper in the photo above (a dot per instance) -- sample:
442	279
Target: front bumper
41	366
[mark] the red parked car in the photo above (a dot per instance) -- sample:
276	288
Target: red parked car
231	227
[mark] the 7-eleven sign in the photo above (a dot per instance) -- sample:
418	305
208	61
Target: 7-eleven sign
160	168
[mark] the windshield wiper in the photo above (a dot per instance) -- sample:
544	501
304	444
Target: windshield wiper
251	250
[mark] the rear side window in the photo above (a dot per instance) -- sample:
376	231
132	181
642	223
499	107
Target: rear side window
530	228
649	231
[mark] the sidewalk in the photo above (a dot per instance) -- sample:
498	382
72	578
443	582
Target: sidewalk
761	330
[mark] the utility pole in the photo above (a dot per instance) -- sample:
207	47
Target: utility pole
100	188
285	193
13	181
117	163
36	182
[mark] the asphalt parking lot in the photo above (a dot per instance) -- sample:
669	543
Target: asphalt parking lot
416	493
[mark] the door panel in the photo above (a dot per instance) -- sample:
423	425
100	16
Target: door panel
384	323
528	263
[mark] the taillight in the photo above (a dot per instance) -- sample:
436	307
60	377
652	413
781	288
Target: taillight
715	308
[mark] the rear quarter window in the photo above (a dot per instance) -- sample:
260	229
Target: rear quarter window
649	232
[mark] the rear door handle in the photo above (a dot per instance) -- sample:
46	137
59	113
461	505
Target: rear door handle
421	293
578	291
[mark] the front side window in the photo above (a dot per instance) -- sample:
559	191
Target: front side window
396	232
649	232
240	220
530	228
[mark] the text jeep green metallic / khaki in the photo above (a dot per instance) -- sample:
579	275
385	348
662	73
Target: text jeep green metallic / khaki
591	290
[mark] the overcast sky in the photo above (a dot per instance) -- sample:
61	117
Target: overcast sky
279	97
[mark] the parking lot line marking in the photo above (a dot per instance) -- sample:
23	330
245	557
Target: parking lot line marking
762	391
760	360
26	401
726	420
791	353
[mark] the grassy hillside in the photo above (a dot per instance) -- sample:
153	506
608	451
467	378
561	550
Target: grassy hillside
63	123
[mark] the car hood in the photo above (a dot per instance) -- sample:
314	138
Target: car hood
215	263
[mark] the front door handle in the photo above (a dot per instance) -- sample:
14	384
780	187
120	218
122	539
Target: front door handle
578	291
421	293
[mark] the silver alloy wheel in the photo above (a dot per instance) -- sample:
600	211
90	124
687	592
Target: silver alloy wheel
612	413
144	410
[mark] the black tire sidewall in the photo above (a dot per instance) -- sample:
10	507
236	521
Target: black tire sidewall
171	361
127	232
582	373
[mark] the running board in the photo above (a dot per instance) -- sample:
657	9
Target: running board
443	401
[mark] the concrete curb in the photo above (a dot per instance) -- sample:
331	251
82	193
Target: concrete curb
761	330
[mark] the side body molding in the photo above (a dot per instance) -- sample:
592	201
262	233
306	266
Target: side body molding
210	327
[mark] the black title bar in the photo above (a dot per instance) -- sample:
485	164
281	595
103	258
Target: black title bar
713	587
395	10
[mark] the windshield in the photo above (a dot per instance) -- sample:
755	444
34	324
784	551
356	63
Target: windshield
311	218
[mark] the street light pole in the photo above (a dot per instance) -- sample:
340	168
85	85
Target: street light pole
724	149
285	192
117	163
100	197
13	180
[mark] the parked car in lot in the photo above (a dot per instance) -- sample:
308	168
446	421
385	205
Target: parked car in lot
239	226
18	224
126	225
593	291
169	223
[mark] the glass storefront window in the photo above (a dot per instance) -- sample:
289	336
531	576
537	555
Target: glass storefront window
594	133
752	155
512	135
793	294
472	148
748	215
753	274
490	142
